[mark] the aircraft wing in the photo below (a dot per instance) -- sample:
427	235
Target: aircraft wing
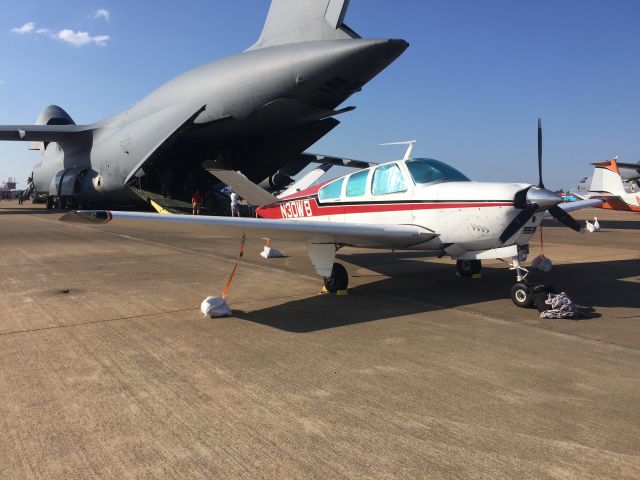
336	161
352	234
571	206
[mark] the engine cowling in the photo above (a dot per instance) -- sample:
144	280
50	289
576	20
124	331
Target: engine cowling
275	182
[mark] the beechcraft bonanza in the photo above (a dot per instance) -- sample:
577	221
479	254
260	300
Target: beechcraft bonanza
615	184
410	204
255	112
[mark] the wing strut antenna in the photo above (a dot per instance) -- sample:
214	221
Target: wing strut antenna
409	143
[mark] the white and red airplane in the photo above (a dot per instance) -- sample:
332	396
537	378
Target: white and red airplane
410	204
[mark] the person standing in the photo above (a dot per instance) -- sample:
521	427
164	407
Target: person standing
196	202
235	207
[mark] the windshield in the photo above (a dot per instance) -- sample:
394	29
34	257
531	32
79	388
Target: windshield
427	170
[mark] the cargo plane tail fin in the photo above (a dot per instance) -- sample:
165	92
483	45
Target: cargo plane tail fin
294	21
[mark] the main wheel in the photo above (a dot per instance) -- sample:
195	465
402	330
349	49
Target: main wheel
338	280
468	268
521	295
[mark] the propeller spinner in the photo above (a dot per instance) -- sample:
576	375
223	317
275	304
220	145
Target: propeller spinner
537	199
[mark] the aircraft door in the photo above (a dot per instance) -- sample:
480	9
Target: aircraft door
390	196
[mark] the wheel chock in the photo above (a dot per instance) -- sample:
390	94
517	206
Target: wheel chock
476	276
340	293
458	274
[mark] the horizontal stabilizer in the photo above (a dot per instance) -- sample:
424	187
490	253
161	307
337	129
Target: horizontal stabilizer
244	187
65	135
294	21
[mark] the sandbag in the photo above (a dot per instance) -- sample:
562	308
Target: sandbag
270	252
215	307
542	263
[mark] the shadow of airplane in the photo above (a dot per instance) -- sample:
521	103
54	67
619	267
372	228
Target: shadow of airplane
433	286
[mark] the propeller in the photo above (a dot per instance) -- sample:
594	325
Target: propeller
537	199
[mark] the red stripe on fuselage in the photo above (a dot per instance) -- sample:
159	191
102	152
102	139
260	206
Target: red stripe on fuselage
308	207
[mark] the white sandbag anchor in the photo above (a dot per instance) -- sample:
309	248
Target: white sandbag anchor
269	252
217	306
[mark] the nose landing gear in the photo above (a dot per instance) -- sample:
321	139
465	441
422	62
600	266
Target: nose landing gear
520	292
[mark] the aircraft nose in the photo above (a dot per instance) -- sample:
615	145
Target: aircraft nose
396	45
389	49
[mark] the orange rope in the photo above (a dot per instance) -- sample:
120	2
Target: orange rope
226	288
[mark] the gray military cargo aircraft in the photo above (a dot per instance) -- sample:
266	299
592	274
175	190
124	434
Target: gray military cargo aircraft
255	112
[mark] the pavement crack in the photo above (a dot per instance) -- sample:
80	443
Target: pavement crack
95	322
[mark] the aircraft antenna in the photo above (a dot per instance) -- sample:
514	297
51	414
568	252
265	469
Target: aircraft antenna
409	143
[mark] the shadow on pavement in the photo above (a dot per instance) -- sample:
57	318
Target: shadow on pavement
433	286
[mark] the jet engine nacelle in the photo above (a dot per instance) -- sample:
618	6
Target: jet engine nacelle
277	181
51	115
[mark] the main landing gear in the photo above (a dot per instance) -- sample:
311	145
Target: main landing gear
520	292
338	280
468	268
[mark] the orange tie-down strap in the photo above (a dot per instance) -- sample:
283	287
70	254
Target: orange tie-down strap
233	271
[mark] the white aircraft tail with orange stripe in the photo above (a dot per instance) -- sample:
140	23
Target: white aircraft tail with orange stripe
617	192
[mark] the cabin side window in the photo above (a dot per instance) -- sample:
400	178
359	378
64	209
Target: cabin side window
357	184
331	191
388	179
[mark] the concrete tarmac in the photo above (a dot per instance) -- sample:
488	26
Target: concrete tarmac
109	370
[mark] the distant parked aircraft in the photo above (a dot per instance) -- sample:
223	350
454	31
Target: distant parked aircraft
617	184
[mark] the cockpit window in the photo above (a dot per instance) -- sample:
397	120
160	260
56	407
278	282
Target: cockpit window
427	170
387	179
332	190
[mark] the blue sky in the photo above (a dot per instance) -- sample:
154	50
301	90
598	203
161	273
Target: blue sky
470	87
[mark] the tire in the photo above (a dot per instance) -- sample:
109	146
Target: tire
468	268
338	280
521	295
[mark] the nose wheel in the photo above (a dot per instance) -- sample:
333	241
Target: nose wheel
468	268
338	280
521	295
